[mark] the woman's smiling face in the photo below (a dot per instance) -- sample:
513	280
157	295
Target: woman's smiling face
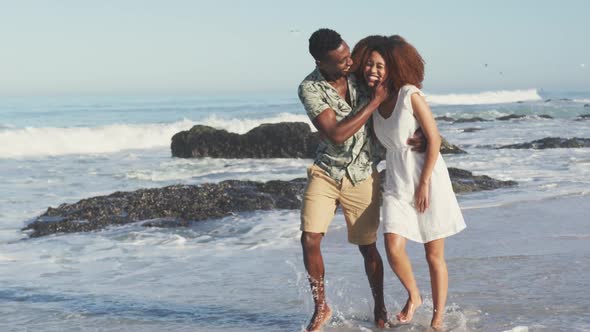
375	71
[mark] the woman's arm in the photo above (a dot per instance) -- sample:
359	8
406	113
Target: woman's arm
428	124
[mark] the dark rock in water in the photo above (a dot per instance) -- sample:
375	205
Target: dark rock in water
560	99
545	116
551	143
510	117
583	117
474	119
445	118
448	148
586	105
176	205
471	130
180	205
281	140
464	181
520	102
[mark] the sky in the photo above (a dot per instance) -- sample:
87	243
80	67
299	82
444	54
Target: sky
215	47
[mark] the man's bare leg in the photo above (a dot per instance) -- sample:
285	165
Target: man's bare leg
314	265
395	245
374	271
439	279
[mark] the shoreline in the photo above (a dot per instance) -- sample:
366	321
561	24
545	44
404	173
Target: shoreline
521	201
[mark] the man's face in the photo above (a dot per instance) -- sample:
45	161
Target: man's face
337	62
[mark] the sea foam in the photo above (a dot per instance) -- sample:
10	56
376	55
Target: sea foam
484	98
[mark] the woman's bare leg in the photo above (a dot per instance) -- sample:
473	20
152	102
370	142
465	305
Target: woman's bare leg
439	279
395	246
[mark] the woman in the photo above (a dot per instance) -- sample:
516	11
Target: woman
418	200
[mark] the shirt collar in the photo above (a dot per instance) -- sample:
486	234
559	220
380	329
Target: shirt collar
351	79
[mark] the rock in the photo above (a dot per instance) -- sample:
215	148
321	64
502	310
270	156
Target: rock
515	116
181	205
474	119
445	118
464	181
510	117
281	140
583	117
448	148
174	205
548	100
551	143
471	130
586	105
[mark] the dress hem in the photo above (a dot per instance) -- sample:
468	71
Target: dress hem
430	239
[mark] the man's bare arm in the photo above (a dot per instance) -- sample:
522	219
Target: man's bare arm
418	141
338	132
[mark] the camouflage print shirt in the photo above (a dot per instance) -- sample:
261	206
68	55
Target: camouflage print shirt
354	157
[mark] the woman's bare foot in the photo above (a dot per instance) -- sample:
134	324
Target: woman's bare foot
437	321
407	313
321	316
380	318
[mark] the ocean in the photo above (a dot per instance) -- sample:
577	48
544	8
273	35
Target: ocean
521	265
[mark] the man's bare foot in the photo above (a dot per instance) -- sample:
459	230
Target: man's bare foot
407	313
381	318
321	316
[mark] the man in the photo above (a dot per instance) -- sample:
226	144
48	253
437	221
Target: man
343	172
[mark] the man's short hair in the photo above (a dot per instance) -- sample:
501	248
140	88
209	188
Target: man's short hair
323	41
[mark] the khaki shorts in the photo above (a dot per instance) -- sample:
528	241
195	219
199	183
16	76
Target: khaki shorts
360	205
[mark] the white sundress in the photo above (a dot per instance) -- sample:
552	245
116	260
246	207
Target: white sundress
443	216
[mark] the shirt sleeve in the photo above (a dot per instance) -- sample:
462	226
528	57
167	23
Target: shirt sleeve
313	100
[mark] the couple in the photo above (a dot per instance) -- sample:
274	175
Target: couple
379	80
